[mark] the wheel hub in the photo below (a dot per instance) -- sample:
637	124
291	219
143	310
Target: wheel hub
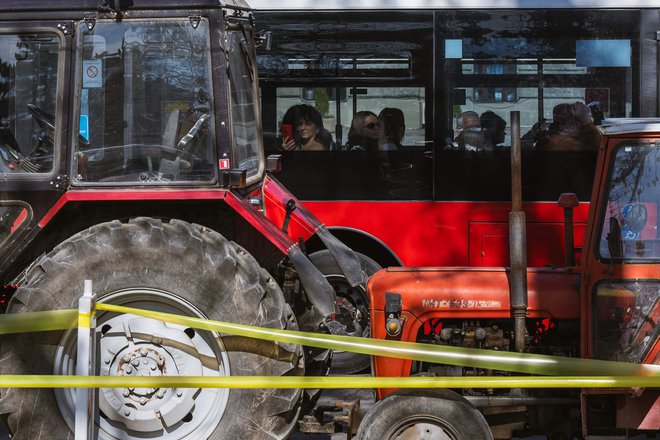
350	316
142	362
133	346
129	348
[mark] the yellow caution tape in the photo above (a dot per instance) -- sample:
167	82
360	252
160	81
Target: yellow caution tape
84	320
38	321
466	357
475	358
326	382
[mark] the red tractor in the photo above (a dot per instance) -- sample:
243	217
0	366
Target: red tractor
131	155
607	307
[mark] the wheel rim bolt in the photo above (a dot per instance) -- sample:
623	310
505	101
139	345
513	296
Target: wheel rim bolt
126	358
135	362
179	394
129	370
126	392
106	360
143	401
160	394
153	368
127	412
143	352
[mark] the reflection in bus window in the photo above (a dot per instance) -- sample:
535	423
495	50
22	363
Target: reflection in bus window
28	91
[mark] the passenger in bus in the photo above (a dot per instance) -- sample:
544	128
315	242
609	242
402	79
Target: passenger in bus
538	131
364	132
469	137
305	130
393	130
493	129
571	130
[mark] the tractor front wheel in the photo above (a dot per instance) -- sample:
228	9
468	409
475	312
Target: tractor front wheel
173	267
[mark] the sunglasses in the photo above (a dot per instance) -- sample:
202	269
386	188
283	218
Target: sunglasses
371	125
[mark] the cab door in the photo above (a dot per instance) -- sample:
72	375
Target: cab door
34	71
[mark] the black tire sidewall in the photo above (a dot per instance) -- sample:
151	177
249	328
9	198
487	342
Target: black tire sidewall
465	421
216	276
345	362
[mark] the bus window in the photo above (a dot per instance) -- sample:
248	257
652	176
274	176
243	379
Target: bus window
338	105
456	73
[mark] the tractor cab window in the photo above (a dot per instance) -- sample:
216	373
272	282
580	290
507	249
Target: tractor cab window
146	113
629	223
246	127
28	101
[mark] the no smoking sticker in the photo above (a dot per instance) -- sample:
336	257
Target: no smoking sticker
92	74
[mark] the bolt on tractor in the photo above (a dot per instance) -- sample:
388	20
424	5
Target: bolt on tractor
605	307
131	155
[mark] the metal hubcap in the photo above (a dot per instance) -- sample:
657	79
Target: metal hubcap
422	428
133	346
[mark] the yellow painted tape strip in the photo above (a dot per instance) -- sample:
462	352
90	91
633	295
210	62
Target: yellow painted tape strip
507	361
38	321
84	320
476	358
326	382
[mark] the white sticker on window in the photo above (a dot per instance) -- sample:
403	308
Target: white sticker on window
92	74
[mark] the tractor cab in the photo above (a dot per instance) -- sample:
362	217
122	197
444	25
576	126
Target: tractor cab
116	94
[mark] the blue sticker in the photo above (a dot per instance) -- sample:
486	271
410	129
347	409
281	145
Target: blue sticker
84	126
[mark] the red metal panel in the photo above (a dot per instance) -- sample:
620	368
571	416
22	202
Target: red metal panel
488	244
130	194
242	207
438	233
275	197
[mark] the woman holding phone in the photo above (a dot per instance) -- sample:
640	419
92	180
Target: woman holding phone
302	129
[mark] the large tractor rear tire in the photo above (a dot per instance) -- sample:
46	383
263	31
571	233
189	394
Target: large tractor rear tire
170	267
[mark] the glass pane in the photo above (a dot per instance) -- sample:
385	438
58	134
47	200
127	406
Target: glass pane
630	221
490	108
145	103
380	151
247	144
626	321
28	94
410	100
11	218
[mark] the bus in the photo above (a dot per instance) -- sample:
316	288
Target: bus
433	201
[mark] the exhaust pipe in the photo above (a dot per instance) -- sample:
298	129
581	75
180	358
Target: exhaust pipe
517	240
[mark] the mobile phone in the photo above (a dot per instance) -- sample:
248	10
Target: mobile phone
287	131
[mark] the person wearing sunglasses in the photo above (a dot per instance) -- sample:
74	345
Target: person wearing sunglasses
364	132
